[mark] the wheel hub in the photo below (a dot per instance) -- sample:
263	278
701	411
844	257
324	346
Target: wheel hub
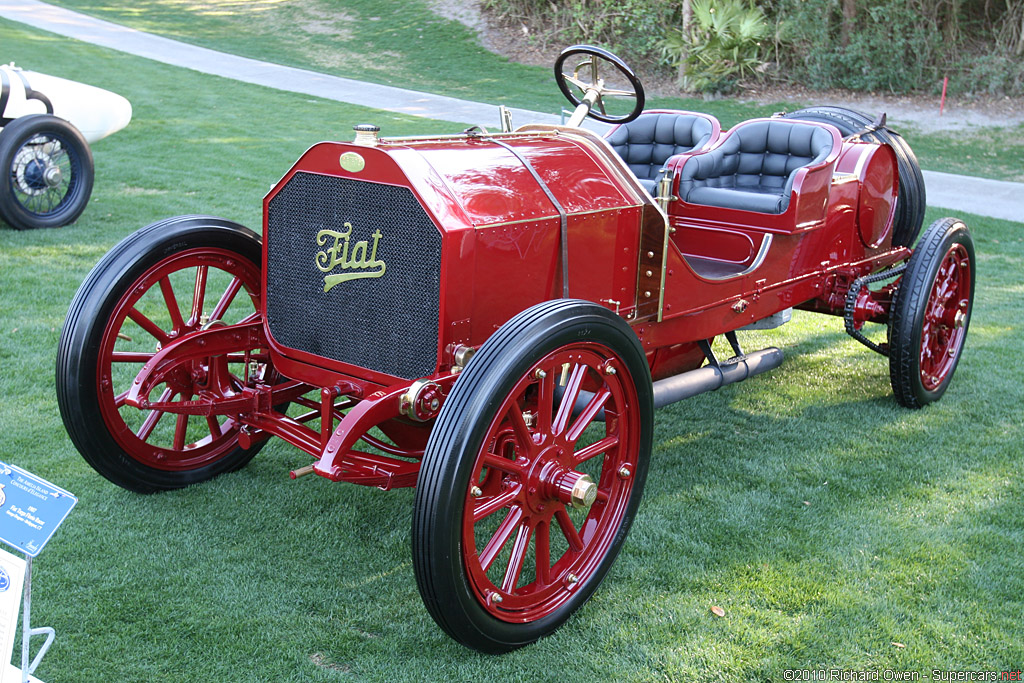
52	176
555	481
36	175
577	490
35	166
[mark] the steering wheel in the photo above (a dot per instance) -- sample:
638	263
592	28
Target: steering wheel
597	75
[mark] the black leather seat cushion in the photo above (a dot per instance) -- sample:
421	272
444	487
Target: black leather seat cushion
646	143
754	167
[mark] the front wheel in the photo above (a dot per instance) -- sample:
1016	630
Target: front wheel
931	314
163	283
47	172
532	475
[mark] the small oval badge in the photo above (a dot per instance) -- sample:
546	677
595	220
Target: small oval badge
352	162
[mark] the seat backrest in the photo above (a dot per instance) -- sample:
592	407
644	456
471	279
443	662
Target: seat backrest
762	155
646	143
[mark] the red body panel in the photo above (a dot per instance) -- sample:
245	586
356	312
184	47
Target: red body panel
502	245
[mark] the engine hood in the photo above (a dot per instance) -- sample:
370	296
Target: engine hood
380	258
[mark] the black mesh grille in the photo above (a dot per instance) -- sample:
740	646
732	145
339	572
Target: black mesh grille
388	323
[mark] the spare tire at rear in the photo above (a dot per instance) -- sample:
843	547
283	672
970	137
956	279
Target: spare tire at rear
910	200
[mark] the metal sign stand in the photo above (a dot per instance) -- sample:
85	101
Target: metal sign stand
31	509
27	631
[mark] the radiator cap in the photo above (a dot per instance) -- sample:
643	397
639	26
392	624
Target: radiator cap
366	134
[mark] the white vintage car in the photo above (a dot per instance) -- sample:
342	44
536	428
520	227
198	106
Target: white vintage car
46	125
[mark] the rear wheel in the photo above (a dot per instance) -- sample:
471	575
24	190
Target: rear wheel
931	314
47	172
524	497
161	284
910	198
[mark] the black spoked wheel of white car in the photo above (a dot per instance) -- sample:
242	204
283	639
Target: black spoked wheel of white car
47	172
931	314
532	475
167	281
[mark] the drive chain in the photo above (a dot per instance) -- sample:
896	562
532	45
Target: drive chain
851	303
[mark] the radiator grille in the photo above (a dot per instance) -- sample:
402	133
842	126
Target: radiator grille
389	323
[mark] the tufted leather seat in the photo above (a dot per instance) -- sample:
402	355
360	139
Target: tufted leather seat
647	142
754	166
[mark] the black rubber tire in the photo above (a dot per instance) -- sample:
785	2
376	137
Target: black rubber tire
79	166
906	320
456	440
911	198
80	341
617	63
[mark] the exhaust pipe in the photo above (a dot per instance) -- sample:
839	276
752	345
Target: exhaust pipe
693	382
709	378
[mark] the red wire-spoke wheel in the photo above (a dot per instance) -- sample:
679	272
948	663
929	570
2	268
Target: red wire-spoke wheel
160	285
931	313
532	475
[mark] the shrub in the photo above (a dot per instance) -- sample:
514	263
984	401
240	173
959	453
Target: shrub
991	75
723	45
891	46
630	28
888	45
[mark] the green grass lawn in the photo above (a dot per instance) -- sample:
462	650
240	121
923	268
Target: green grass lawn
404	43
828	522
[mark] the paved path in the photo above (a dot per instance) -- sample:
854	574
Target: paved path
995	198
117	37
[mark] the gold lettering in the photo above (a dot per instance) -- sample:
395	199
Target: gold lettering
359	255
337	255
328	260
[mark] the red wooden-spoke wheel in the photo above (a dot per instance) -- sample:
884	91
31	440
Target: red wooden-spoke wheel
931	314
943	332
543	504
171	300
532	475
161	284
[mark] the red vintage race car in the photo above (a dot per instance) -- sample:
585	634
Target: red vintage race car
494	317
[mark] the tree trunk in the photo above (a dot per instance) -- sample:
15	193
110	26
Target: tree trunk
952	32
687	20
849	16
1020	37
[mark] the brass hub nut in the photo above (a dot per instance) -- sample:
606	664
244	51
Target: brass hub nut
422	401
577	490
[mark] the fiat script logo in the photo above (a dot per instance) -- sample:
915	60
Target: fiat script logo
359	260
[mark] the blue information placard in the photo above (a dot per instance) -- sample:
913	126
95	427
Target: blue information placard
31	509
